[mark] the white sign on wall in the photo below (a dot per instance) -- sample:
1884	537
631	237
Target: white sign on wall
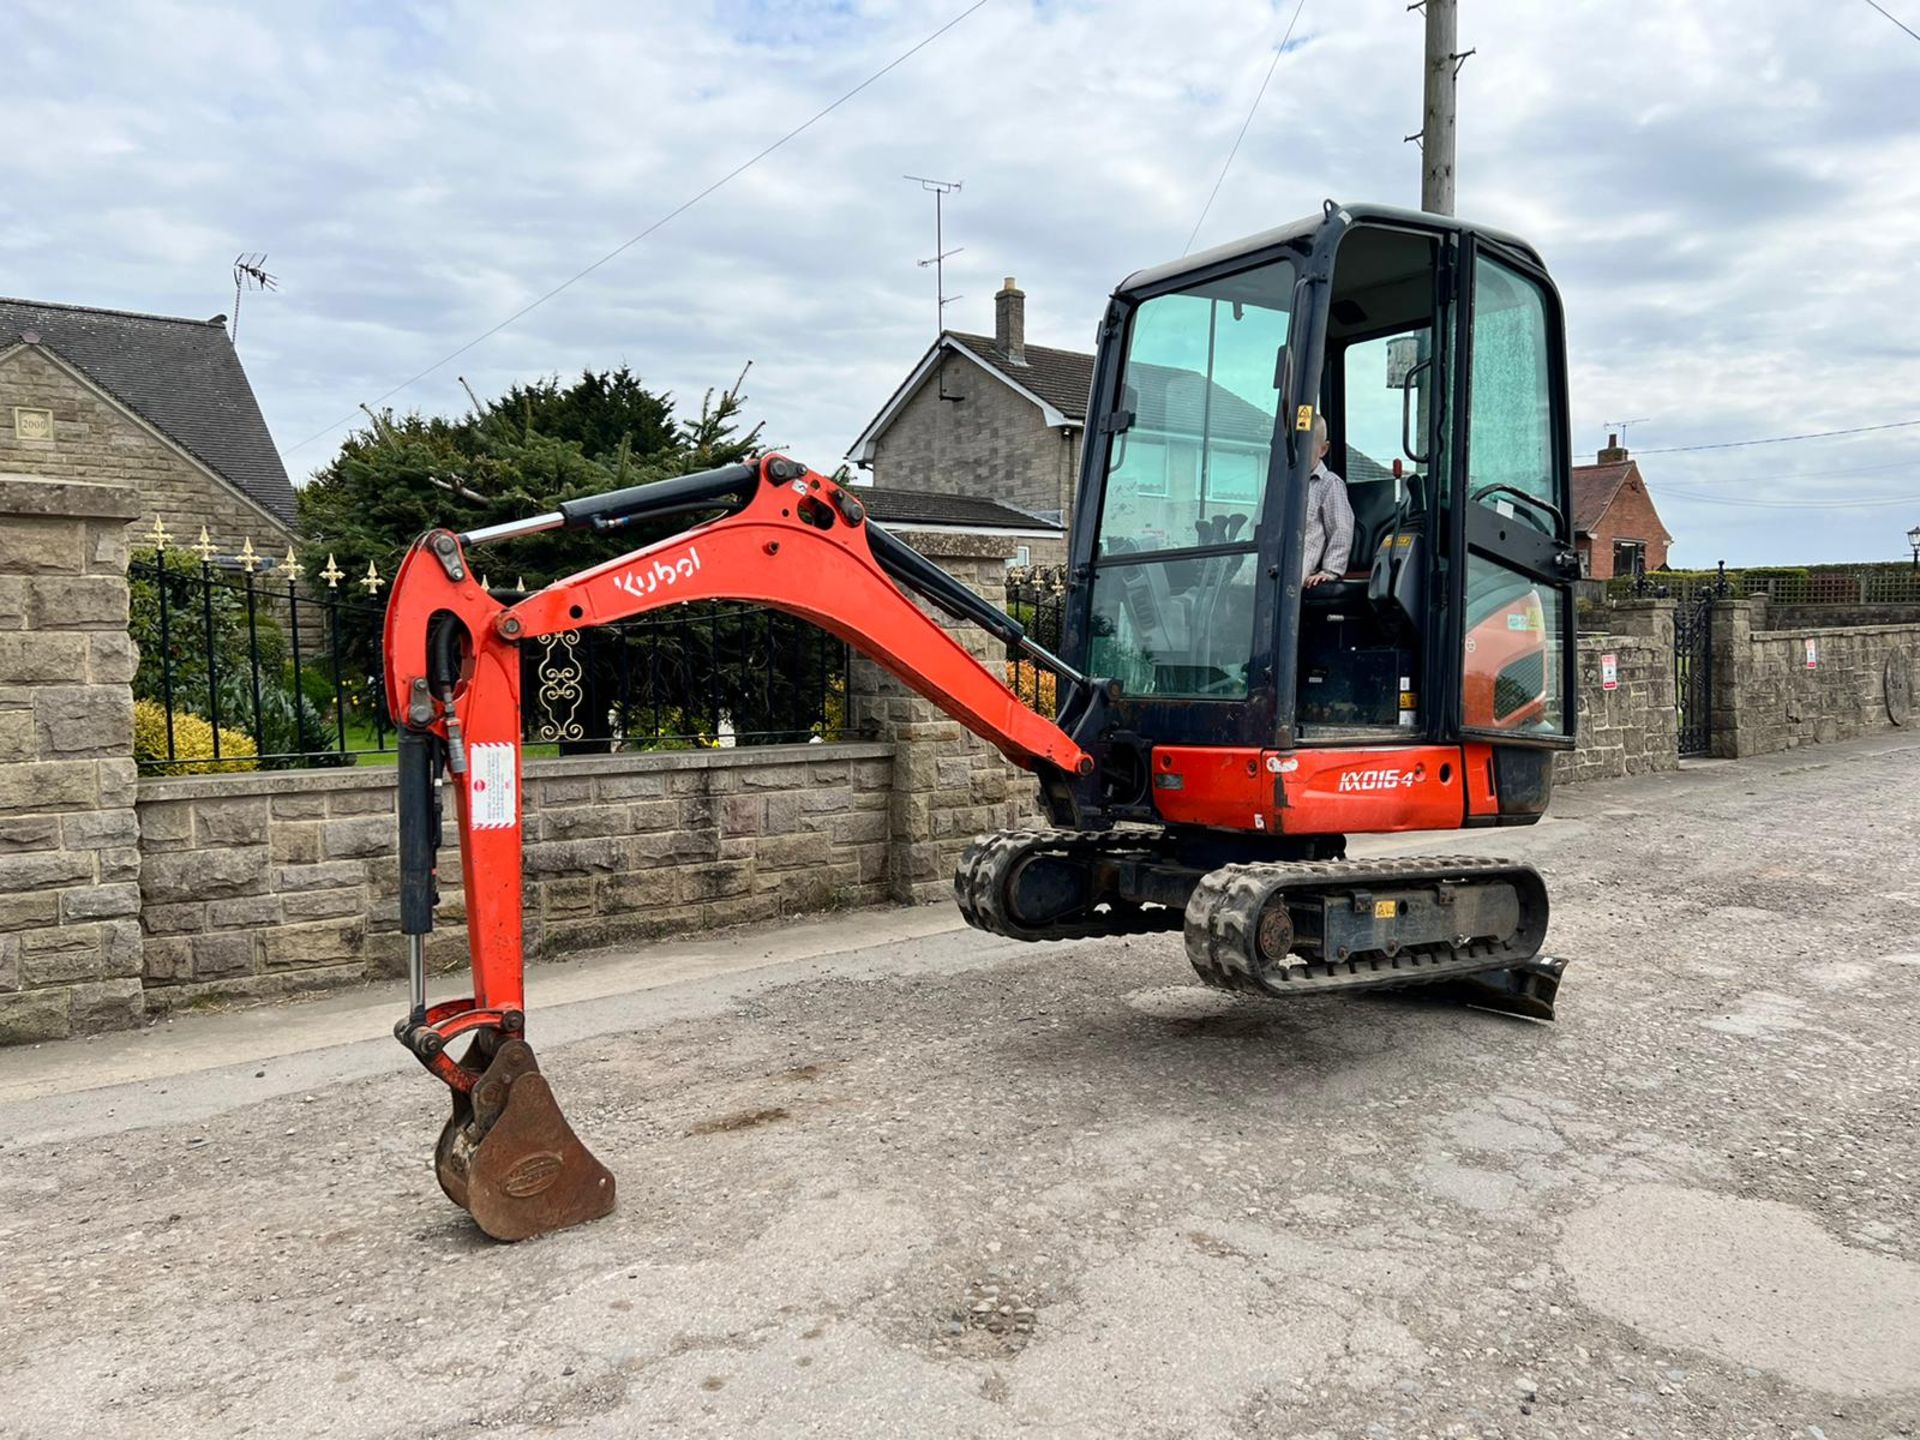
1609	672
1813	653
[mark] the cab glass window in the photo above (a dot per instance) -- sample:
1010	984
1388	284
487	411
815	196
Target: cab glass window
1510	416
1189	465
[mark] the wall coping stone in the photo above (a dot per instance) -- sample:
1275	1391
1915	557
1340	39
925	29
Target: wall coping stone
154	788
1834	631
22	494
955	544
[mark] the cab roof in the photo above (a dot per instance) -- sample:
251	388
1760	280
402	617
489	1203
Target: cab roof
1308	229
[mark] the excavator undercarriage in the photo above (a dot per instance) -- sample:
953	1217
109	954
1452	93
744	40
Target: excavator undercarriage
1283	929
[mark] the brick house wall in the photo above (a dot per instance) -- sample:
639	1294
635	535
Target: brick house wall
994	442
96	439
1611	506
1630	517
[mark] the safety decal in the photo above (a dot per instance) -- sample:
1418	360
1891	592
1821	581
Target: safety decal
492	803
1303	418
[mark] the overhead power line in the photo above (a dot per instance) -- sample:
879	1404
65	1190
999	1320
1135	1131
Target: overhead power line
1787	504
1896	20
672	214
1781	439
1244	124
1832	475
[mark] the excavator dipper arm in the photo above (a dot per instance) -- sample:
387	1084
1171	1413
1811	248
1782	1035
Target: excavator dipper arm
789	539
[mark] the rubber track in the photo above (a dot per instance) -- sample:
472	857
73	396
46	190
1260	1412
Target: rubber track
980	884
1224	913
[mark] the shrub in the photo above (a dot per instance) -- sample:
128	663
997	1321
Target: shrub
1038	689
192	743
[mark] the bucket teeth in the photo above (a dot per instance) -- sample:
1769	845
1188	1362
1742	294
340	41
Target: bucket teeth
508	1157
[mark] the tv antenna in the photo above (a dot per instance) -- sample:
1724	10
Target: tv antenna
939	189
1619	427
249	273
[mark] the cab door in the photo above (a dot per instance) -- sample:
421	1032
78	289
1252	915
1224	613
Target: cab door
1513	617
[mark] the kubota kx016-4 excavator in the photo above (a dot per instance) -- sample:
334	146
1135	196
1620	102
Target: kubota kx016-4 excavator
1223	725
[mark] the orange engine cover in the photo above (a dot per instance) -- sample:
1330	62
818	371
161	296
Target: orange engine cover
1311	792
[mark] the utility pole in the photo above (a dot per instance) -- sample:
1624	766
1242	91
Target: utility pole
1437	120
940	189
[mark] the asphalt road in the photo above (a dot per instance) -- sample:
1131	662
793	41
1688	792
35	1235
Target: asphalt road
882	1176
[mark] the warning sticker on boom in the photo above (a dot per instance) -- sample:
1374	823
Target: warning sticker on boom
491	783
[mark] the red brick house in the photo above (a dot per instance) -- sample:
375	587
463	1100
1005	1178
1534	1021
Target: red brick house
1616	529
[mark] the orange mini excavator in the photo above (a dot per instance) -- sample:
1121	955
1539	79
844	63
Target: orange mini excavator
1223	725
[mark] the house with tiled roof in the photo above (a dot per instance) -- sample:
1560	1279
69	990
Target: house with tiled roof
1617	530
988	418
155	401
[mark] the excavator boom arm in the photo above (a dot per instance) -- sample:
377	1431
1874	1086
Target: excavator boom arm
792	540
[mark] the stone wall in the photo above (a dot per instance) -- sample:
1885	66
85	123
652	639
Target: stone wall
69	866
948	786
994	442
1766	697
94	439
1633	728
259	884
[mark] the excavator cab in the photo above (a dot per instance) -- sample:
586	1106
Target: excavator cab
1434	352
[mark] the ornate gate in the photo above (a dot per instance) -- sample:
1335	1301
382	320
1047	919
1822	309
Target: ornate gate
1693	672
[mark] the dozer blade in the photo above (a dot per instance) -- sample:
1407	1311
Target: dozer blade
508	1157
1526	990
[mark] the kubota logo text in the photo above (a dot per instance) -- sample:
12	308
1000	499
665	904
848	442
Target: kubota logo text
1379	779
642	583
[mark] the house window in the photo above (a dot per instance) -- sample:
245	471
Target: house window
1235	476
1022	556
1629	557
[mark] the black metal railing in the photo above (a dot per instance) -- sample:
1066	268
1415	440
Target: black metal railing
1693	672
244	666
701	674
248	667
1036	596
1853	585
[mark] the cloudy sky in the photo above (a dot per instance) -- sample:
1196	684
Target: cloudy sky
1728	192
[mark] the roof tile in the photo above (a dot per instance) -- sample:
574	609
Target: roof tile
910	507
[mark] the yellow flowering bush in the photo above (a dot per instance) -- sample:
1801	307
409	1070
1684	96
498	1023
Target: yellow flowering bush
192	743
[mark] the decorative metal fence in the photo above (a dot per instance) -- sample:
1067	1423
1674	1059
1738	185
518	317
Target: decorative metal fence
1037	597
1888	584
1693	672
246	664
243	667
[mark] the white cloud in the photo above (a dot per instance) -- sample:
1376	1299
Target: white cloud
1727	192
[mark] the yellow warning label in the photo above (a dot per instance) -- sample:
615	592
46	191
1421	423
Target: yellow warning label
1303	419
1385	909
1406	699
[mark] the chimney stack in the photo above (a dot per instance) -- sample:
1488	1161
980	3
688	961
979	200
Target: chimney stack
1613	453
1010	322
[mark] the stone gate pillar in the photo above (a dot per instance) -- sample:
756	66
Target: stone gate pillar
948	786
69	842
